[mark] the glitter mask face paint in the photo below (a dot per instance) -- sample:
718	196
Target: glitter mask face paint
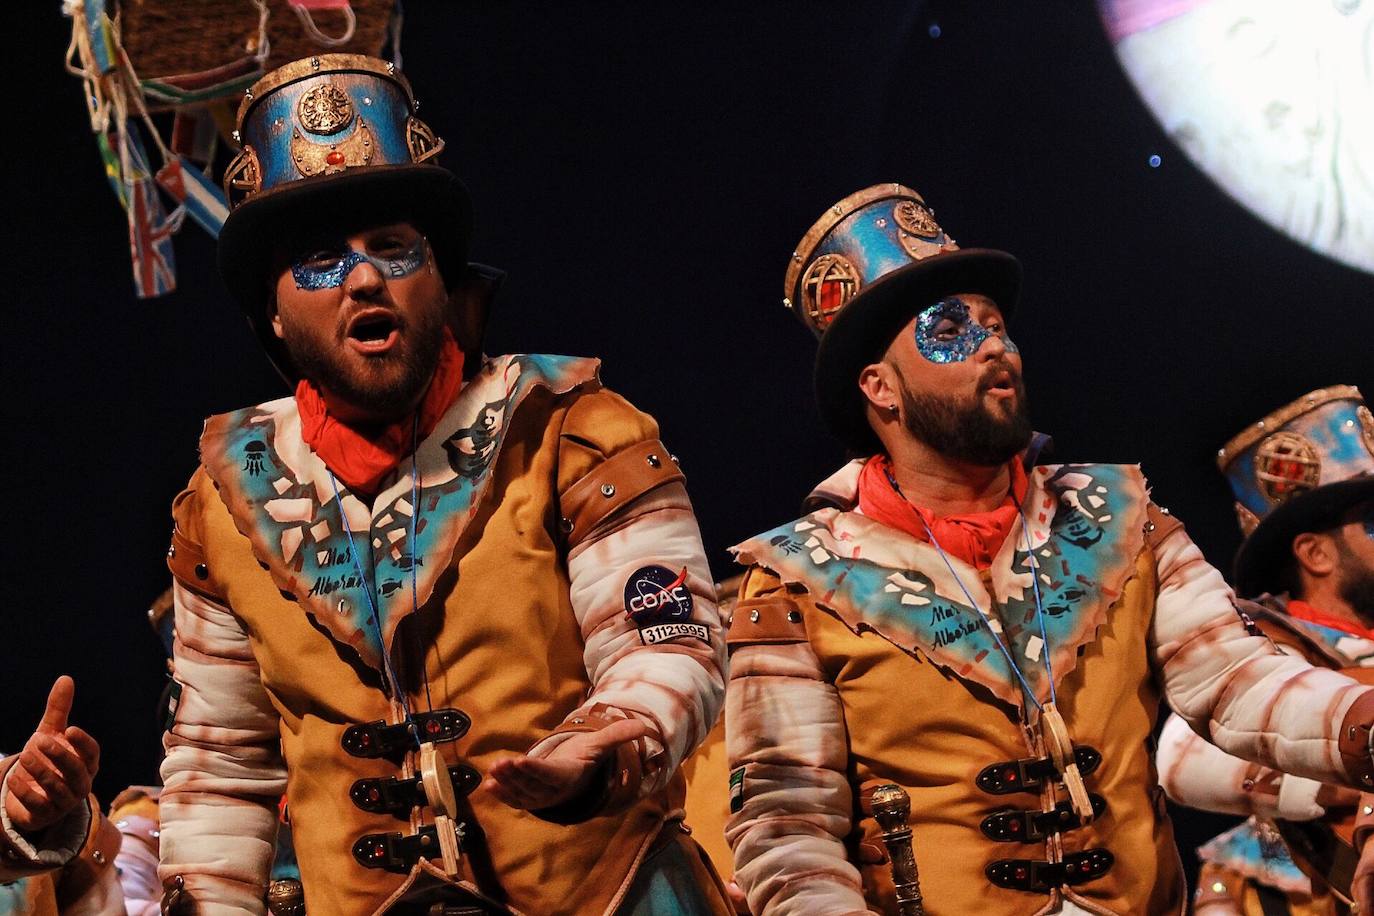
328	270
947	333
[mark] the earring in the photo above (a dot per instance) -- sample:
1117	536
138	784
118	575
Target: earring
892	409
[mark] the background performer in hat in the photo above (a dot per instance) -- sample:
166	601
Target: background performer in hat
1304	484
987	637
455	607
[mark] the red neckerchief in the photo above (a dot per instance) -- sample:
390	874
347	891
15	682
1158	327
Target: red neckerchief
974	538
362	460
1304	611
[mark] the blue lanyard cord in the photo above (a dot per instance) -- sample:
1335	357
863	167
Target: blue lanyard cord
412	545
1039	605
371	602
996	637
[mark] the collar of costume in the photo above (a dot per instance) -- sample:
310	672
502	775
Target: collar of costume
973	537
363	459
1086	529
1342	644
279	493
1306	612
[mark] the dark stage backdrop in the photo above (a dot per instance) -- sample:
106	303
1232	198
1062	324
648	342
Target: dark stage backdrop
643	171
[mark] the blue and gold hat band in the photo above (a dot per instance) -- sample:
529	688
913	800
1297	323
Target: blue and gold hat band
1324	437
321	116
859	240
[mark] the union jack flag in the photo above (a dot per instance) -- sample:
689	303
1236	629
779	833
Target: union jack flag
150	226
150	241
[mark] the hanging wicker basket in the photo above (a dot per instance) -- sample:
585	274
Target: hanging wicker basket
176	39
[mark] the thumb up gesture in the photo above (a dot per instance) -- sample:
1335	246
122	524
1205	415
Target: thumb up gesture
54	771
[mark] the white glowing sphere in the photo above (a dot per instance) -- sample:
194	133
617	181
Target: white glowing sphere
1273	99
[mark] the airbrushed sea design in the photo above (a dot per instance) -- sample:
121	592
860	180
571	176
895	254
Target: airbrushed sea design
281	498
1086	528
1256	851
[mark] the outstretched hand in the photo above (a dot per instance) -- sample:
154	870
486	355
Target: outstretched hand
54	771
531	784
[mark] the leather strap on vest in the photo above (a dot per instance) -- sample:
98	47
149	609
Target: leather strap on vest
96	856
1159	524
618	480
1357	732
775	619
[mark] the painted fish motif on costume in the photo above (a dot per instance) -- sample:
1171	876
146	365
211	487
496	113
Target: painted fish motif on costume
282	499
1086	529
1255	850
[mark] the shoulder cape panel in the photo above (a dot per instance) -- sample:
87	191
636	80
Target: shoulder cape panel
1086	527
281	498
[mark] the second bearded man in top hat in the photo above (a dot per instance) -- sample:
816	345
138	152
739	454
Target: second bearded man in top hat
956	627
454	606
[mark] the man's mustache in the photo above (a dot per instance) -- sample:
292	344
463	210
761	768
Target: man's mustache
995	372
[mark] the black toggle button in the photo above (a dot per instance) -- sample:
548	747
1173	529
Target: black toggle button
1013	826
1029	774
378	739
1039	875
391	795
396	852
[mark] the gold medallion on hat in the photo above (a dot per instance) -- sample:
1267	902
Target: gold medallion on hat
916	219
327	158
830	281
1286	464
326	109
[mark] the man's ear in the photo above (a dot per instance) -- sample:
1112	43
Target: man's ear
274	316
1316	554
878	382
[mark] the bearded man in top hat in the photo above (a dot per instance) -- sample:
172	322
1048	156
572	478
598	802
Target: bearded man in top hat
455	607
944	678
1303	479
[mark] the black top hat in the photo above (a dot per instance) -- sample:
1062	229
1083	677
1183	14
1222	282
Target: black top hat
869	264
1298	469
331	144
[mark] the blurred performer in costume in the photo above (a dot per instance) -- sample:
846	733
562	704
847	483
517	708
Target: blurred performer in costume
427	570
135	814
56	850
1304	484
957	628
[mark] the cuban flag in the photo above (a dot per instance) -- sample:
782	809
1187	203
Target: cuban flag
190	187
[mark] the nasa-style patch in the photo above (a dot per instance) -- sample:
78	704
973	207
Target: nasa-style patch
659	602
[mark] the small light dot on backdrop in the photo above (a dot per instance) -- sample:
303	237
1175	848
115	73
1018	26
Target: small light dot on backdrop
1155	161
934	30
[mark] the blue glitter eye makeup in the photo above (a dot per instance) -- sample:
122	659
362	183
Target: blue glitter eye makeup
319	271
947	333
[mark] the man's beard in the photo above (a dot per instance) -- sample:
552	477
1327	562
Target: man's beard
1357	582
385	386
967	432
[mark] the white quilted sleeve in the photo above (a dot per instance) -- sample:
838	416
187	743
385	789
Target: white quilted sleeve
223	771
1232	686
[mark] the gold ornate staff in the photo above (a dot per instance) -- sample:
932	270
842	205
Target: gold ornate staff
891	806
